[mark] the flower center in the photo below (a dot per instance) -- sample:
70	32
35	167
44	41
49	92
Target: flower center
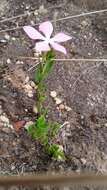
47	40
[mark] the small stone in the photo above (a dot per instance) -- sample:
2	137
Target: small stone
58	101
84	23
28	87
36	54
57	108
12	167
27	7
61	107
36	13
68	108
3	41
32	84
32	22
8	61
83	160
10	126
28	124
30	94
19	62
89	53
7	37
28	13
53	94
26	110
82	117
4	119
27	79
13	38
36	86
6	130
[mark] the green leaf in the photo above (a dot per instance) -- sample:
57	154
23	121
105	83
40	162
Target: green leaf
31	130
54	129
38	74
42	98
48	63
55	152
39	130
42	130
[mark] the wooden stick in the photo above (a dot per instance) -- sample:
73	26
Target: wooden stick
57	179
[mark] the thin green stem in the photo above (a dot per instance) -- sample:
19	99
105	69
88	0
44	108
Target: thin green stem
39	91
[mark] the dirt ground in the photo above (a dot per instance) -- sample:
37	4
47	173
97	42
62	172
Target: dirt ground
81	85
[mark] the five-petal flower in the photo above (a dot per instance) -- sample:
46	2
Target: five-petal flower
46	41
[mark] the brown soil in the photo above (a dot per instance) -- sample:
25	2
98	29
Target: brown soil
81	85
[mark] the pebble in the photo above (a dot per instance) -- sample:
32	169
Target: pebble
36	13
4	119
28	13
32	22
53	94
13	38
84	23
61	107
105	124
26	110
10	126
7	37
83	160
30	94
28	90
28	87
68	108
27	7
27	79
29	123
12	167
8	61
58	100
32	84
89	53
3	41
19	62
6	130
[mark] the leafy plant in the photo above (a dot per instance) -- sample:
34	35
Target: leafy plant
43	130
40	131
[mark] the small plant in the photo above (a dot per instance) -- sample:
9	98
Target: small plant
43	130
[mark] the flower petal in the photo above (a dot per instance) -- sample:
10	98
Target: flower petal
46	28
33	33
61	37
42	46
58	47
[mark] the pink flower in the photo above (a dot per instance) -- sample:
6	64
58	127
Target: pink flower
46	41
